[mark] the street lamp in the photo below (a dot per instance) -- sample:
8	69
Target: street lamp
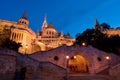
108	59
67	59
74	57
26	46
33	43
84	44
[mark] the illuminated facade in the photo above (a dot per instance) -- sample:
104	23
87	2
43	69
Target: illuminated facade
109	32
51	38
31	42
112	32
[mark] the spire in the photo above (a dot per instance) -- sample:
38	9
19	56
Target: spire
24	15
45	21
96	23
44	25
45	18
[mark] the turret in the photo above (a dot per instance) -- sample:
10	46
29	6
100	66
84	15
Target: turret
23	20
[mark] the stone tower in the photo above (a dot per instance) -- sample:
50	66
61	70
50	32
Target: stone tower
97	25
23	20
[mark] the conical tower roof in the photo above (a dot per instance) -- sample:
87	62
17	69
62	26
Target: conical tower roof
97	23
24	15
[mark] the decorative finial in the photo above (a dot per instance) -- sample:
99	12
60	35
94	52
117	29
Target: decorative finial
45	17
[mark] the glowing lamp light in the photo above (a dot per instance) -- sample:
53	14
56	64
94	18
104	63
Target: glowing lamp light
74	57
67	57
107	57
26	46
84	44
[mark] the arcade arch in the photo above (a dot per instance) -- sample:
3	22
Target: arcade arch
77	64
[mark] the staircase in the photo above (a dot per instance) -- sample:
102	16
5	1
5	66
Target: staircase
88	77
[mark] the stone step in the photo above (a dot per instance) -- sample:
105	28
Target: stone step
88	77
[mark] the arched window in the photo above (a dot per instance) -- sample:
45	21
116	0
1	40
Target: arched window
12	35
22	37
15	36
19	36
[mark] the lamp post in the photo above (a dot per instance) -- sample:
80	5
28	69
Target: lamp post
26	46
33	43
84	44
67	59
108	59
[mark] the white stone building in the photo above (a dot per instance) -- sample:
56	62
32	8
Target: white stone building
109	32
51	37
44	40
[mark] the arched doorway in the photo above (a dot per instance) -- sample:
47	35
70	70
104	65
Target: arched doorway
77	64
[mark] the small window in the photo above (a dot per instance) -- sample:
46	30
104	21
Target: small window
56	58
99	59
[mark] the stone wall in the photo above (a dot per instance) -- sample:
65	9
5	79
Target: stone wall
115	72
96	59
11	64
48	71
7	67
44	65
36	70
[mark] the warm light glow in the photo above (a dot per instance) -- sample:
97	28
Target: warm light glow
33	38
107	57
26	46
74	57
67	57
83	44
78	64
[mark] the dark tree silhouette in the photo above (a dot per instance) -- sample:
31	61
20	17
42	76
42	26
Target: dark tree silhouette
105	26
91	36
99	40
11	45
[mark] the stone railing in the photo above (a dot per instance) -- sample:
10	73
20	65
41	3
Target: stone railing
114	68
115	72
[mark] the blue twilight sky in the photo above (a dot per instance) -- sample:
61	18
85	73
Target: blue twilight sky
73	16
